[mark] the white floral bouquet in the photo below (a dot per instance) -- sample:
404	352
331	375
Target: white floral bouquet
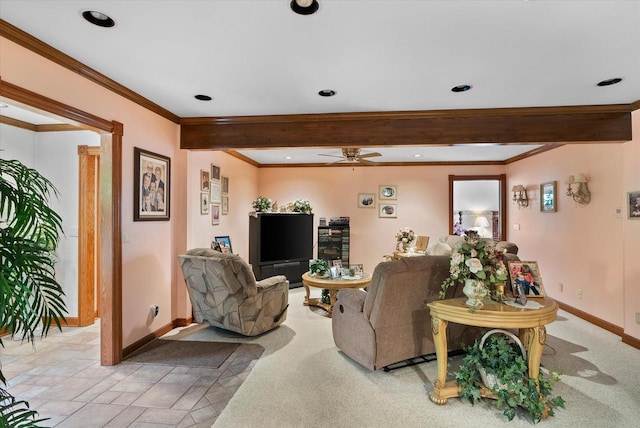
262	204
405	236
302	206
475	259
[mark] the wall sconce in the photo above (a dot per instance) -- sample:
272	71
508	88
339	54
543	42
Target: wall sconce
520	196
577	188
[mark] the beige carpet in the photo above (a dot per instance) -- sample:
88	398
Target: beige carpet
303	380
184	353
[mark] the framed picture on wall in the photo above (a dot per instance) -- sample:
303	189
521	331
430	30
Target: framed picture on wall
225	204
388	192
151	188
215	172
225	185
216	194
215	214
205	181
387	210
633	205
204	203
548	197
366	200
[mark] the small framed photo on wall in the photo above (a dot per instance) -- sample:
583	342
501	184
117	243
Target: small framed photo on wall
366	200
633	205
204	203
225	204
216	195
152	185
215	214
388	192
387	210
204	180
225	185
215	172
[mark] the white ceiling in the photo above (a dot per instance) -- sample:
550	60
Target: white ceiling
260	58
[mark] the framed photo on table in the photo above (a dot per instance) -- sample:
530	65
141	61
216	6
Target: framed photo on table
525	279
151	186
225	244
548	196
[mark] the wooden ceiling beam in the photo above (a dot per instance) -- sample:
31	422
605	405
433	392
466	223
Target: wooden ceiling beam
540	125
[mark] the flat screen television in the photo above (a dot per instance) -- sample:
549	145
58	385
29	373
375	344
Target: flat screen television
285	237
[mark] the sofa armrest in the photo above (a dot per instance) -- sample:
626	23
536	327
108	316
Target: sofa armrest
351	298
271	282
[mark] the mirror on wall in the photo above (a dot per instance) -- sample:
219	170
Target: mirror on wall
476	202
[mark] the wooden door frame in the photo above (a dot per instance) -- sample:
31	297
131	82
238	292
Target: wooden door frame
88	234
502	195
111	133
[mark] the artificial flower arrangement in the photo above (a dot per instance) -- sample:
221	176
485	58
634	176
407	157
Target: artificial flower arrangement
476	259
404	238
262	204
302	206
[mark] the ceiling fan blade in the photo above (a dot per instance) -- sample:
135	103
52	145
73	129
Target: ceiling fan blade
332	156
365	161
370	155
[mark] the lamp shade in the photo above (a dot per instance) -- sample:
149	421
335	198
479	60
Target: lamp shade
481	222
569	180
580	178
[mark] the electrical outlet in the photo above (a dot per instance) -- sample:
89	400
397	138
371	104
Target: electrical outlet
579	294
516	226
637	317
561	287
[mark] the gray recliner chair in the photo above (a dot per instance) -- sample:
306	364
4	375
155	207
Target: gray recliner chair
224	293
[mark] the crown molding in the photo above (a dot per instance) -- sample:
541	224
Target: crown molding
37	46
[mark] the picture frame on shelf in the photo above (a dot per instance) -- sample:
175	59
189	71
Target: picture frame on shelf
205	181
215	172
225	185
225	204
633	205
366	200
388	192
215	214
152	186
204	203
225	244
387	210
548	197
216	194
526	274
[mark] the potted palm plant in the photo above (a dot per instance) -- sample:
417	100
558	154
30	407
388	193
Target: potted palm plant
30	296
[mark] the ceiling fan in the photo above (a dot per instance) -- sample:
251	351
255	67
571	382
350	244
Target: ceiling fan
352	155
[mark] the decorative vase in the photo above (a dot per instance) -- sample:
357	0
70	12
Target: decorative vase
475	292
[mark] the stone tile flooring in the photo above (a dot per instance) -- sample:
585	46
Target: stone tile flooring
63	380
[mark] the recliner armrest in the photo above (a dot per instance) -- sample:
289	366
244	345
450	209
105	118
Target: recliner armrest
351	298
271	281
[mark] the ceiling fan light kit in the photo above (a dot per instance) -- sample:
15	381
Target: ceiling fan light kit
352	155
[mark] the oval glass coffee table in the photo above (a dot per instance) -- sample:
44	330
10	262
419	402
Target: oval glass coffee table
333	285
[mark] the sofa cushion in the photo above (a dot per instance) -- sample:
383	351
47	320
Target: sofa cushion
440	249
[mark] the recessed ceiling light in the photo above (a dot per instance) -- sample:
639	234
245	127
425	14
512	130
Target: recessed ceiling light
610	81
461	88
304	7
327	93
203	97
417	155
98	18
288	157
3	105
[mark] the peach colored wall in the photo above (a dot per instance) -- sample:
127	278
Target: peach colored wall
423	200
580	247
631	183
149	262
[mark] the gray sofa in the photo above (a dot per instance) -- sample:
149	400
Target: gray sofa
390	322
224	293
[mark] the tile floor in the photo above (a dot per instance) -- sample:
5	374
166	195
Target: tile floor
63	380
